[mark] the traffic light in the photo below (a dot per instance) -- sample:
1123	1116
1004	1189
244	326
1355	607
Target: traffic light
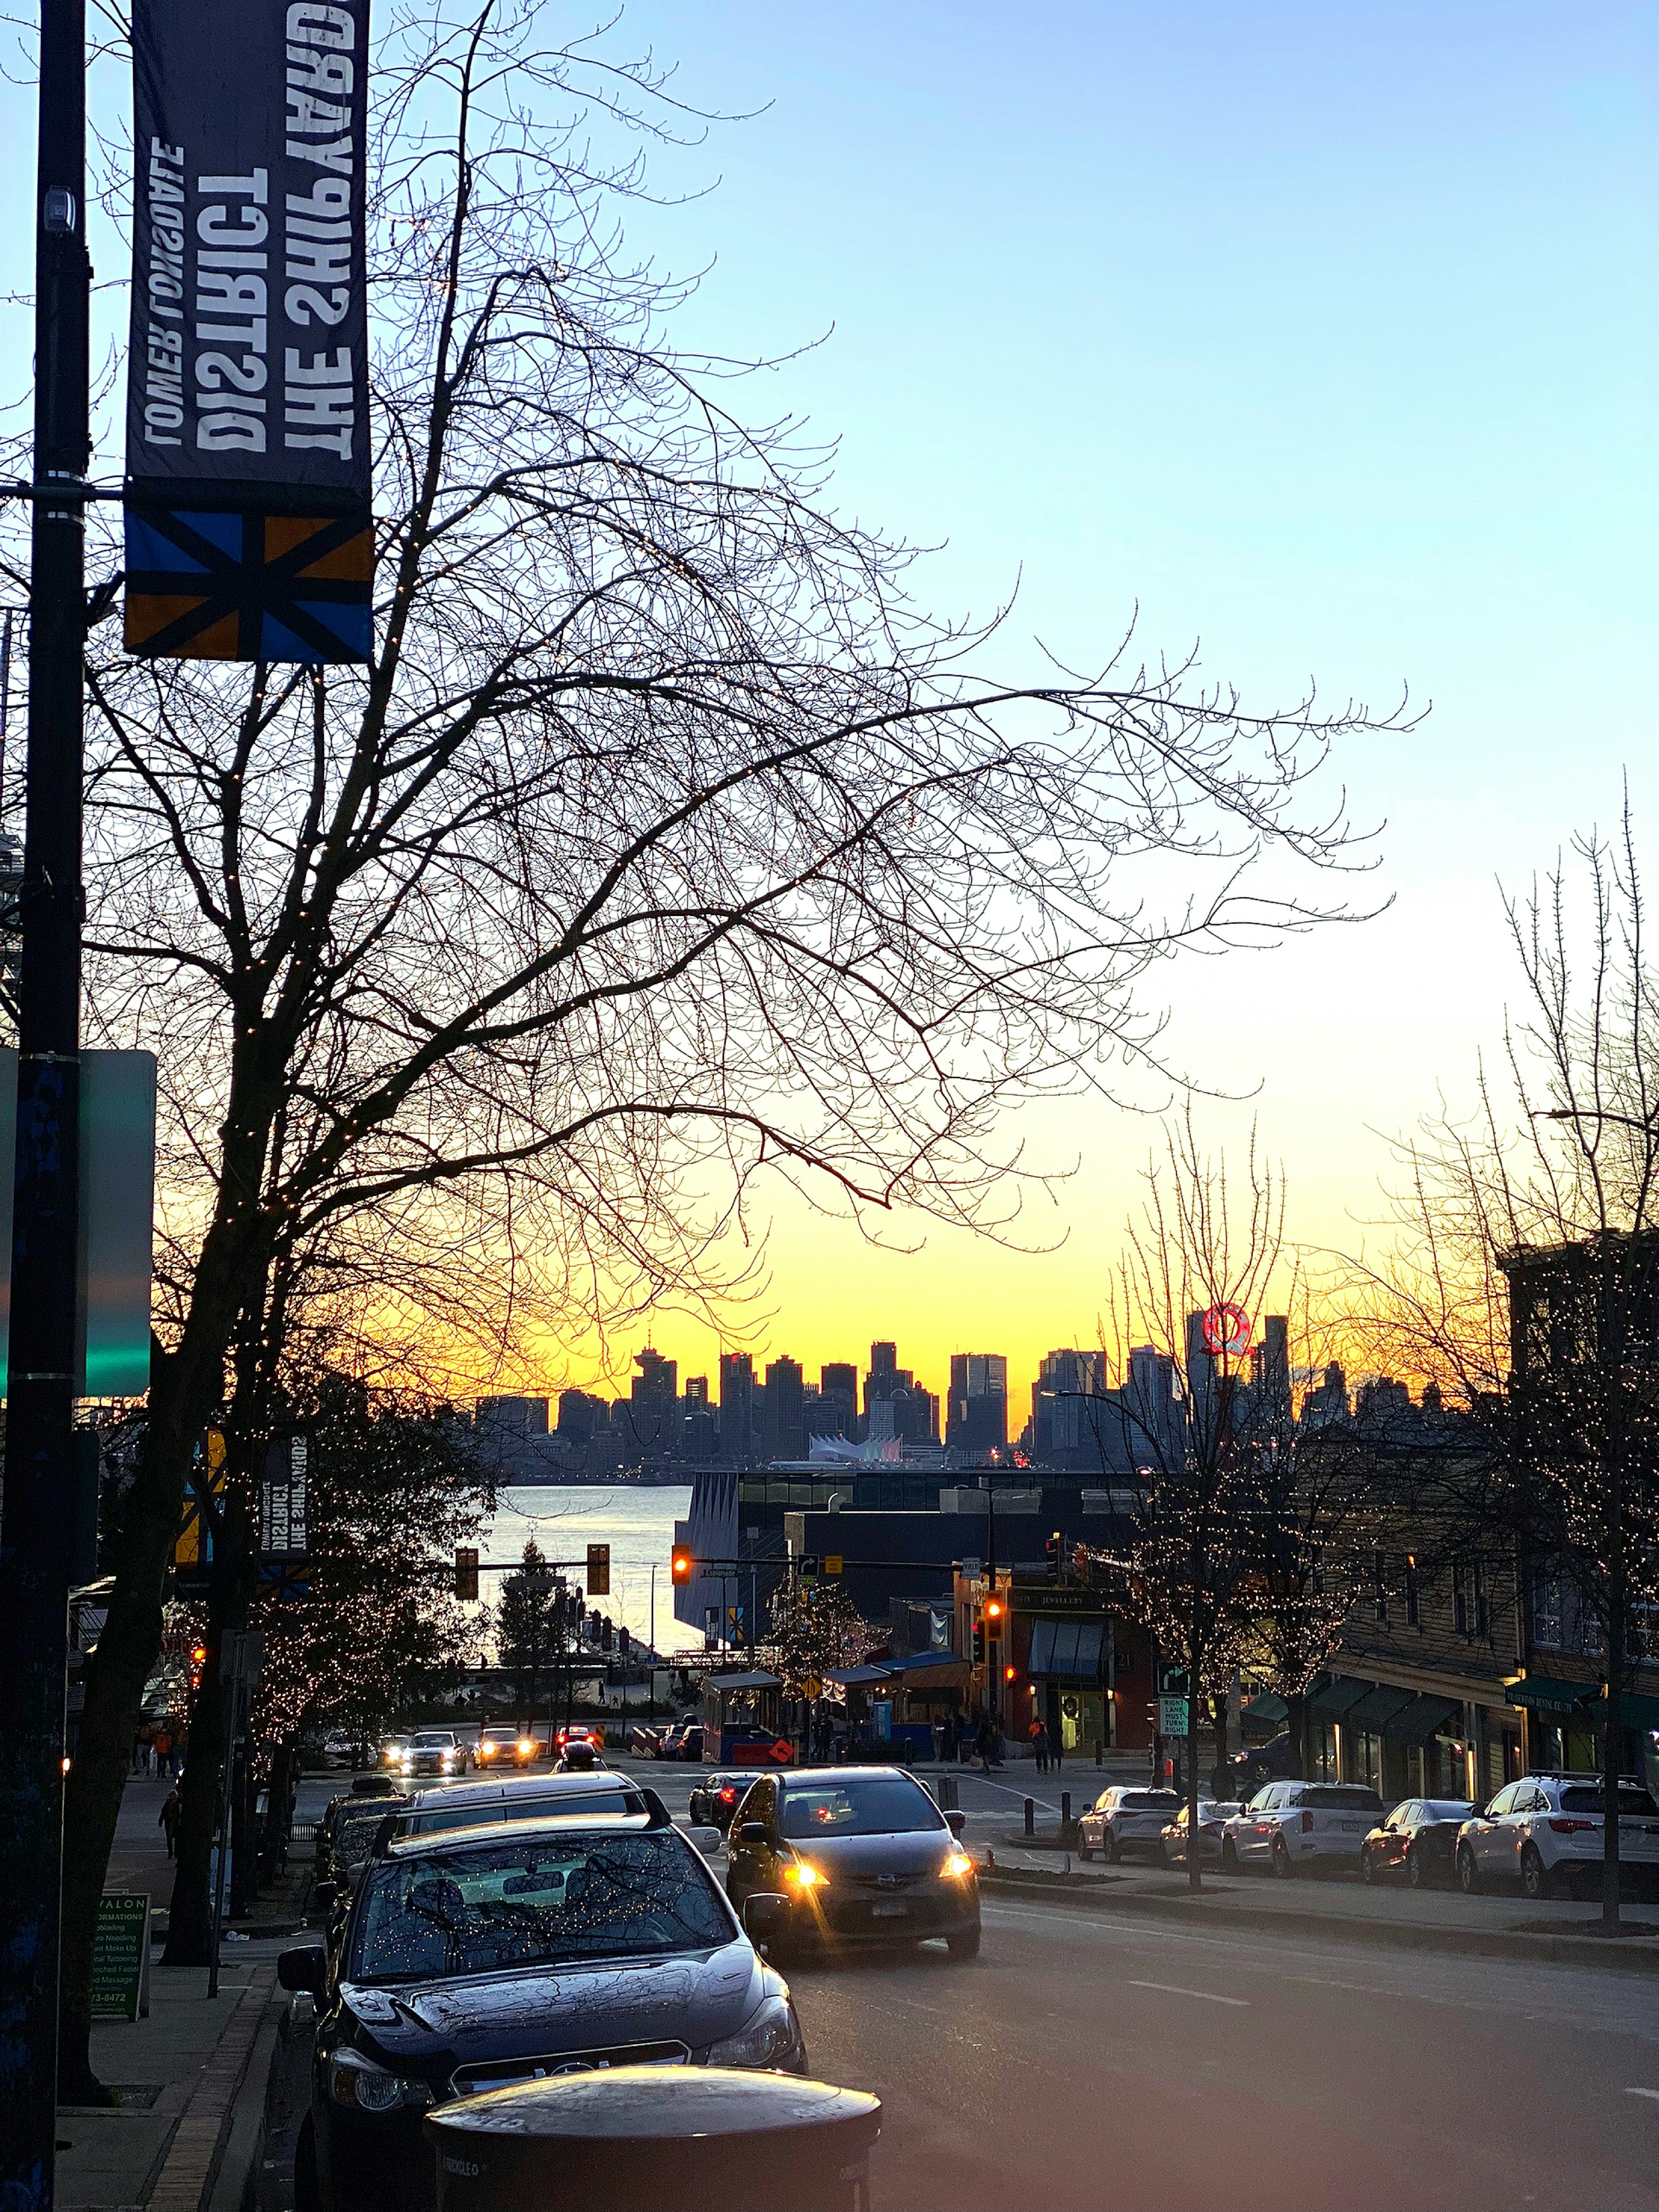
466	1571
680	1565
1010	1674
599	1570
979	1644
993	1612
198	1661
1052	1550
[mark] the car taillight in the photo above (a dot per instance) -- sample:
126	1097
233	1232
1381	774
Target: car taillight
1573	1827
1307	1824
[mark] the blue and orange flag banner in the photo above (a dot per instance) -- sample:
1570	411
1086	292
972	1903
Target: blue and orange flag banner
248	462
205	586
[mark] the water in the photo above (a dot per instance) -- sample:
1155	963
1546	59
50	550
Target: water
638	1524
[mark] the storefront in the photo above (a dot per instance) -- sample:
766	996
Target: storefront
1066	1666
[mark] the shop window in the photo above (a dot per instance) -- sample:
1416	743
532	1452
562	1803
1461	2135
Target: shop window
1548	1614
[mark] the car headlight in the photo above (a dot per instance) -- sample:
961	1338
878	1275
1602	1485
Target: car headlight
802	1876
526	1748
358	2083
957	1865
771	2035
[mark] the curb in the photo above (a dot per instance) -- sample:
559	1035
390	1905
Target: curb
1562	1950
195	2163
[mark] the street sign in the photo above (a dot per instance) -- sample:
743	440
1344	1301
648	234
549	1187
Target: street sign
599	1570
466	1571
282	1489
1172	1716
1171	1682
1227	1329
832	1562
120	1957
811	1687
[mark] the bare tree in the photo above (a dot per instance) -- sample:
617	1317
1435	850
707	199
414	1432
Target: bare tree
1523	1275
664	843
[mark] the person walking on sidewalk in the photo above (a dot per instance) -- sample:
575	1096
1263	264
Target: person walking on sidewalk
172	1809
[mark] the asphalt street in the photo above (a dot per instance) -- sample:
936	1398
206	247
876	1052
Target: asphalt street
1088	2060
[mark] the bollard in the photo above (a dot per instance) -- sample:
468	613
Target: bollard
1065	1808
947	1793
1030	1816
649	2138
1099	1757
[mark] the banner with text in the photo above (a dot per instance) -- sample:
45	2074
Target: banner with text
248	532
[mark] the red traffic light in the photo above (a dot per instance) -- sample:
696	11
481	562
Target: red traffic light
199	1655
680	1567
993	1609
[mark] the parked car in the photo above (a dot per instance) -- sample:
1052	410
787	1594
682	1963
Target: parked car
1260	1762
337	1748
522	1797
682	1740
1546	1832
715	1799
1123	1820
1291	1825
346	1832
862	1857
1417	1843
578	1757
1212	1814
433	1751
462	1964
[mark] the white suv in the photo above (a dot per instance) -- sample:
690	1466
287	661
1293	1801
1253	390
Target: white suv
1546	1832
1122	1820
1290	1824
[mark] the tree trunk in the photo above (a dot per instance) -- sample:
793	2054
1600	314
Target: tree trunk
190	1920
1612	1744
1195	1858
1296	1730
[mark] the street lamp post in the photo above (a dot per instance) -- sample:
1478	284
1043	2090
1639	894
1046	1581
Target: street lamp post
36	1546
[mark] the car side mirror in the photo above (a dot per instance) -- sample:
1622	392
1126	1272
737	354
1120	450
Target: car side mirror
764	1915
752	1832
325	1893
301	1969
956	1822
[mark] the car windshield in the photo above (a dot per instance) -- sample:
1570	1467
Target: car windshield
1331	1798
1146	1801
1448	1808
877	1805
541	1902
354	1836
485	1814
434	1740
1590	1800
1223	1808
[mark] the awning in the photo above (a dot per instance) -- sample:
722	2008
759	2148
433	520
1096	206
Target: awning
1423	1718
1269	1708
1634	1712
760	1680
1549	1693
1376	1708
1338	1694
857	1678
1068	1648
930	1673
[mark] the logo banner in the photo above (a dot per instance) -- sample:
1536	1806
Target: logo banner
248	522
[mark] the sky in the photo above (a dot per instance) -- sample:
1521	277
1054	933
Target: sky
1321	338
1325	338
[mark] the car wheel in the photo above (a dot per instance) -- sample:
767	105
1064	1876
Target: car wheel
1468	1874
1086	1851
1536	1878
307	2187
1416	1873
1229	1856
1281	1860
965	1947
1367	1868
1113	1849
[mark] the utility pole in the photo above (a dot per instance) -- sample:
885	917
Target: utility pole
36	1542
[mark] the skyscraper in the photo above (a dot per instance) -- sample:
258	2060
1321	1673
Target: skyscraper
785	1437
737	1408
977	1422
836	1411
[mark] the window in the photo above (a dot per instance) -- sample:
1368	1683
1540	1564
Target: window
1586	1799
1548	1614
1470	1615
878	1806
1336	1797
1502	1803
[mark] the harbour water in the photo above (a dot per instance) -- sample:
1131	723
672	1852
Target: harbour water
636	1521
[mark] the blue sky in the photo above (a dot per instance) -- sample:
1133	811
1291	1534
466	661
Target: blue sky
1325	336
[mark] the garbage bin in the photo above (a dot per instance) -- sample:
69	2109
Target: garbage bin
654	2139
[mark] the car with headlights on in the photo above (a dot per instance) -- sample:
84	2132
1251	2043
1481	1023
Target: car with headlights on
1123	1820
478	1957
1417	1843
1212	1812
501	1746
433	1751
862	1856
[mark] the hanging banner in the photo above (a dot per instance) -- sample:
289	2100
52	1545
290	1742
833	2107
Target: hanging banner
248	532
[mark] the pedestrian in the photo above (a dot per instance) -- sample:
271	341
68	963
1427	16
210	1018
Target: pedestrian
1038	1750
171	1813
985	1743
1056	1748
163	1743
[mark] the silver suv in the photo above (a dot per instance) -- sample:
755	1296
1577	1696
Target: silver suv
1290	1824
1545	1831
1124	1820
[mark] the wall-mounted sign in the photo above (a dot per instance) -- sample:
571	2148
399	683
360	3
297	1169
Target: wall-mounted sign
1227	1329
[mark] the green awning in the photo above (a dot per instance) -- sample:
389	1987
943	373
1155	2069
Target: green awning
1376	1708
1338	1694
1550	1693
1634	1712
1421	1720
1268	1709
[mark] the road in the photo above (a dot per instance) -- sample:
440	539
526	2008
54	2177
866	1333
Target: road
1092	2061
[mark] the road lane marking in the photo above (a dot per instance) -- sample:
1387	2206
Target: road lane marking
1170	1990
1654	2093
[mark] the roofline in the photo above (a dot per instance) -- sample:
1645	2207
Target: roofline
627	1824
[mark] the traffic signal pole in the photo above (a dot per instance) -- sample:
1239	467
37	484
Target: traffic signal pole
36	1537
